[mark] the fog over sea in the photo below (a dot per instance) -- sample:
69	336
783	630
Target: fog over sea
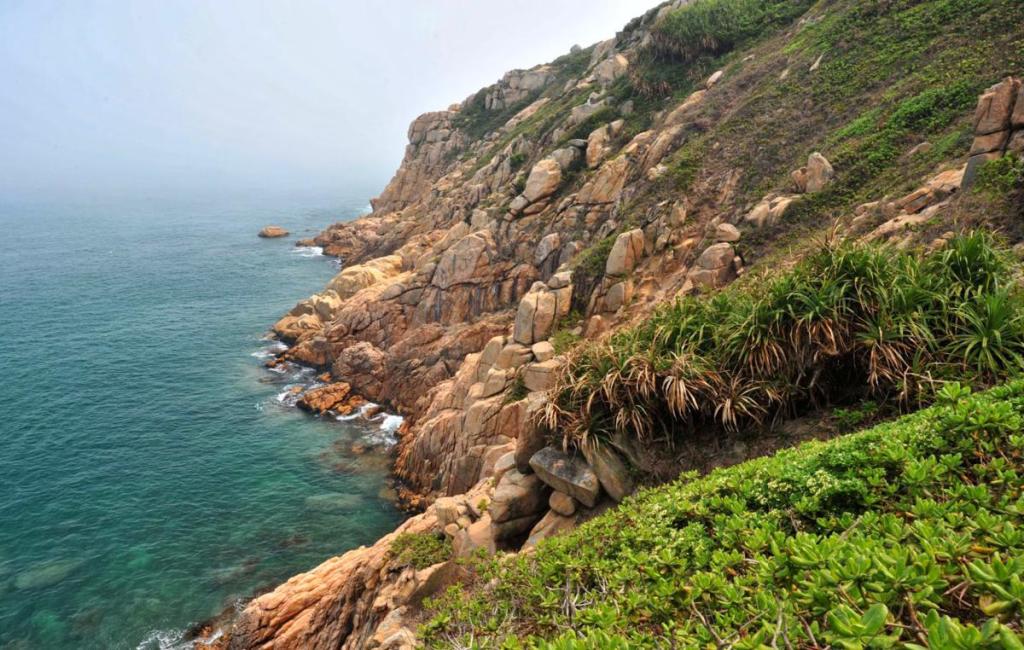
152	471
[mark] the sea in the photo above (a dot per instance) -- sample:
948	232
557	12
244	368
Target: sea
153	473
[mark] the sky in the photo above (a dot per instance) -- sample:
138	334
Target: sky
126	97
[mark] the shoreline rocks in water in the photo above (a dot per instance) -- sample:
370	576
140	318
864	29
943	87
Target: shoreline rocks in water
273	232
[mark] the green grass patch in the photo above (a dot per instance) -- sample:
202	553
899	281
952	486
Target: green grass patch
909	535
420	550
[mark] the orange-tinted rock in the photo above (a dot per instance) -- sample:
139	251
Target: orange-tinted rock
325	398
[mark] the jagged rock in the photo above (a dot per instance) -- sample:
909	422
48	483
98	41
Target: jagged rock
513	355
606	185
560	280
518	204
532	438
505	464
769	210
355	278
541	376
568	474
325	398
618	294
477	535
516	496
990	142
547	250
726	232
271	232
819	173
598	142
627	250
551	524
566	157
543	181
562	503
715	266
683	112
535	317
611	471
496	382
996	107
449	509
489	355
714	79
543	351
611	69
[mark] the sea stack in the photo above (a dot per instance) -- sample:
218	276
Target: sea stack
271	232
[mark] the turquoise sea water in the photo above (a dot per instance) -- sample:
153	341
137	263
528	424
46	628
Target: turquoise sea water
149	474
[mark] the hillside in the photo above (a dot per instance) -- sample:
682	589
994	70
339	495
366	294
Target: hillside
734	227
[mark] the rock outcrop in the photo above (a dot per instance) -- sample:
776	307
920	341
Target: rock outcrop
272	232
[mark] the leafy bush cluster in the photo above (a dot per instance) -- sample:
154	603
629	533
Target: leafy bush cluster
848	323
420	550
1001	176
908	535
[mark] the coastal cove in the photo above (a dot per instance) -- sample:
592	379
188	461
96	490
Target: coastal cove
154	472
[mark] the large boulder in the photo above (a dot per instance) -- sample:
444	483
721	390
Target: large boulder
996	107
611	471
606	185
543	181
272	232
550	525
568	474
541	376
517	496
532	438
325	398
599	142
715	267
819	173
627	250
611	69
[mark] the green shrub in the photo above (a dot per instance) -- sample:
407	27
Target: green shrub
564	340
1000	177
851	419
420	550
850	322
908	535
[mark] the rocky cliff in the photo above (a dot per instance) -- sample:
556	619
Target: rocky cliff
569	199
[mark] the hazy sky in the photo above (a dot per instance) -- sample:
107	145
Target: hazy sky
169	96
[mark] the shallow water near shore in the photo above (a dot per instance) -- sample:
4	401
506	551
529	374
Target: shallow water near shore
150	476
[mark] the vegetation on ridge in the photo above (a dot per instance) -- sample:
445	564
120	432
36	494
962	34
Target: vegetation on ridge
908	535
848	323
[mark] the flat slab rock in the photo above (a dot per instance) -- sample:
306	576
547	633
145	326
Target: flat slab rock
567	474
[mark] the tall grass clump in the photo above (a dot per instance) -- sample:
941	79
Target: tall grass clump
849	323
714	27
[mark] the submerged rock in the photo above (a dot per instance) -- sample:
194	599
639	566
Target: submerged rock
46	574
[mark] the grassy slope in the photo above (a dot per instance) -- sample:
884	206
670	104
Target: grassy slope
909	533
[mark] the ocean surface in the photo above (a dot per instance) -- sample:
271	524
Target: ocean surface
151	472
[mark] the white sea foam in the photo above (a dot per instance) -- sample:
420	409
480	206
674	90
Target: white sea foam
361	413
391	423
165	640
308	251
